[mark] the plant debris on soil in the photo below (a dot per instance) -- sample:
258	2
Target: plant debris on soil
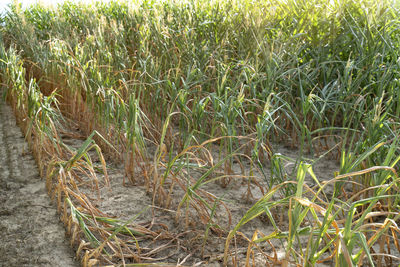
203	133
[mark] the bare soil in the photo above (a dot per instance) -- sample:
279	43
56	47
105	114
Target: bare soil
30	232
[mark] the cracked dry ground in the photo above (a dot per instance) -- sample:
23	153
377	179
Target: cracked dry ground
30	231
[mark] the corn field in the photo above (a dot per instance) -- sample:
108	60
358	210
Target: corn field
213	133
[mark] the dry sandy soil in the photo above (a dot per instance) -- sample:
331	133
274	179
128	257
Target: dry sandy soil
30	232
